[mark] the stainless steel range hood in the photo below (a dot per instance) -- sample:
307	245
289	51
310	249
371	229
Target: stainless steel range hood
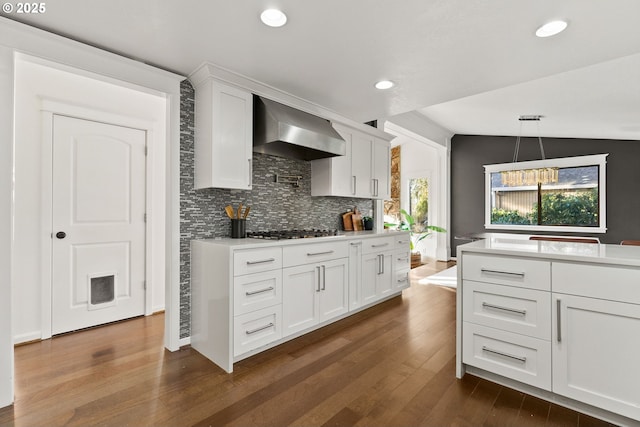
286	132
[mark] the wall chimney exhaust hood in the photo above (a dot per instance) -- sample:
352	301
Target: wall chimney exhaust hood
283	131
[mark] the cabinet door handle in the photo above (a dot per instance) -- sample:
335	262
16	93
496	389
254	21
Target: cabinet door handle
508	273
559	315
356	243
382	263
319	253
270	288
402	242
261	328
380	245
262	261
250	173
500	353
404	279
324	277
353	184
318	278
404	259
377	186
510	310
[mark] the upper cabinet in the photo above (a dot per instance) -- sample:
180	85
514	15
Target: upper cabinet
363	172
223	135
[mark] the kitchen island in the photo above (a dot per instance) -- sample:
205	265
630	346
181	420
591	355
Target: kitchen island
249	295
557	320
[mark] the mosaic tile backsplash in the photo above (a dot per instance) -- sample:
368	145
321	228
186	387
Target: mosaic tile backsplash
274	206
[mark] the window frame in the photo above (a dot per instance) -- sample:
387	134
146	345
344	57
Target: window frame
599	160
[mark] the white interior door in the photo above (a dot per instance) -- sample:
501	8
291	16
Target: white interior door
98	265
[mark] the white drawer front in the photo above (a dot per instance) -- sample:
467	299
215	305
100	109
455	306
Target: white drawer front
255	291
401	279
256	260
402	260
378	244
515	356
523	311
614	283
314	252
504	270
255	329
402	241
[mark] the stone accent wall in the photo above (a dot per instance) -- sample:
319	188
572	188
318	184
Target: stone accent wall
392	207
274	206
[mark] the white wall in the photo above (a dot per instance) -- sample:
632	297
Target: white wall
35	85
6	183
421	157
16	37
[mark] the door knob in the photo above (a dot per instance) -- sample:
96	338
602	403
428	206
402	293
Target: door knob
61	234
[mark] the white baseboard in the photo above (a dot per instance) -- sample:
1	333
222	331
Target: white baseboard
30	336
184	341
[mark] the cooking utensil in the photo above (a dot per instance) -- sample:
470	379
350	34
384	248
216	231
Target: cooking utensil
246	212
229	210
239	211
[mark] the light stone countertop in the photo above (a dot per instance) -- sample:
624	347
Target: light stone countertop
250	243
565	251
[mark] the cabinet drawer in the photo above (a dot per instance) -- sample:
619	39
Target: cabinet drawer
255	329
402	241
515	356
505	270
255	291
257	260
314	252
402	260
523	311
614	283
378	244
401	279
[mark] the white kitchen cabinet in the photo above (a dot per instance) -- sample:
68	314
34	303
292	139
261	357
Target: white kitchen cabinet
363	172
595	352
377	273
223	147
314	293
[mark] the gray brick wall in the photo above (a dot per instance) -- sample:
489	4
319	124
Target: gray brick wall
274	206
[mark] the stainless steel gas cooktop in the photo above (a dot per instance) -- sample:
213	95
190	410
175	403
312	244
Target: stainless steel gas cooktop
290	234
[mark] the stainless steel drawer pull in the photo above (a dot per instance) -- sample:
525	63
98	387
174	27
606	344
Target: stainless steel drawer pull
262	328
510	356
262	261
404	279
404	259
559	315
380	245
319	253
510	310
509	273
270	288
402	242
356	243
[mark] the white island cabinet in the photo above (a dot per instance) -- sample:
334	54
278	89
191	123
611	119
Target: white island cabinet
557	320
249	295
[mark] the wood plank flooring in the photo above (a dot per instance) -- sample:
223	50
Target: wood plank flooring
391	365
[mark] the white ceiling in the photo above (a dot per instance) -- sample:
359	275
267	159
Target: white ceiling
471	66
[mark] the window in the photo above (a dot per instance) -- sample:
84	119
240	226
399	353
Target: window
566	194
419	201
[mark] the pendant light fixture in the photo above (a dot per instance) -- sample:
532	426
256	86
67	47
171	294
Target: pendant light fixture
529	177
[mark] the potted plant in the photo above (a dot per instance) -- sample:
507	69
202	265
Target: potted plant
417	232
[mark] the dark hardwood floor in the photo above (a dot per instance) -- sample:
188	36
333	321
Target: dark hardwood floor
391	365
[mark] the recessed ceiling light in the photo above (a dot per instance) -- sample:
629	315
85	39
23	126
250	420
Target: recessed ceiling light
273	17
551	28
384	84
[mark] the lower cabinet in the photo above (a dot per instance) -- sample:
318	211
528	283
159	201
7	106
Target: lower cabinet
596	346
314	293
376	276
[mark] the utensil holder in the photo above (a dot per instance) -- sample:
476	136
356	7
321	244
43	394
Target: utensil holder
238	228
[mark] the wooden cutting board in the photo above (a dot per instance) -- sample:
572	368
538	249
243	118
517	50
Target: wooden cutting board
347	222
356	218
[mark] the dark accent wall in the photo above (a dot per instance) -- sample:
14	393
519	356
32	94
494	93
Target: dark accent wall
469	153
274	206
